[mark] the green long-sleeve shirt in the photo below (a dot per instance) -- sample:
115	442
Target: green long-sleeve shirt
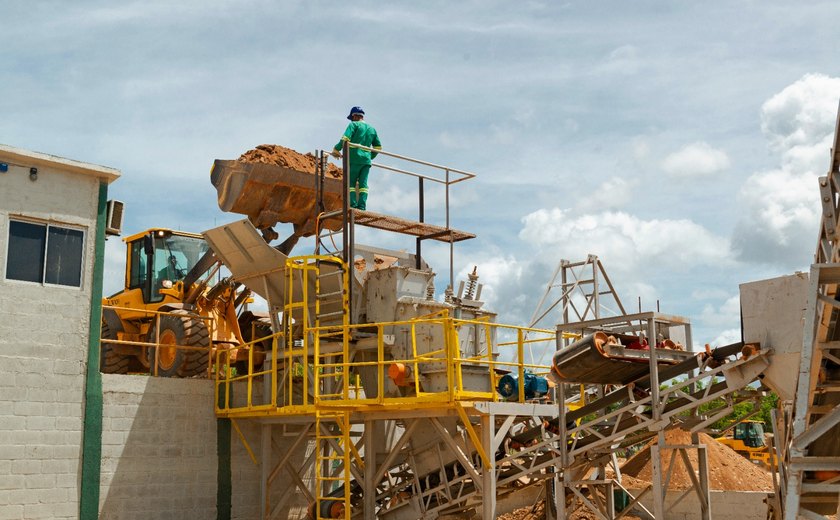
359	132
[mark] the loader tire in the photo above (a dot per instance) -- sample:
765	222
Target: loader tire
185	329
111	362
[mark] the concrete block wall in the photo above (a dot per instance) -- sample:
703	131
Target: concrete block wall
159	444
726	505
245	475
44	334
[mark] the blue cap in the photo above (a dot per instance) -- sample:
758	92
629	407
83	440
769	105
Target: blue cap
355	110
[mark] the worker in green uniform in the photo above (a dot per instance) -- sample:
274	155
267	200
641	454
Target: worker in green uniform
359	132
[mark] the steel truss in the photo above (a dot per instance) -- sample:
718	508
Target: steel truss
810	478
502	448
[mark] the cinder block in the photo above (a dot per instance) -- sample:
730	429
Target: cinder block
59	466
11	481
11	512
11	452
12	422
72	438
21	436
41	395
30	380
50	496
41	481
63	410
36	511
26	467
66	509
121	423
68	423
22	497
67	481
113	438
51	437
28	408
40	423
13	393
71	368
38	451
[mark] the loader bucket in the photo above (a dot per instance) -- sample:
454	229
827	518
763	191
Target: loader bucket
269	194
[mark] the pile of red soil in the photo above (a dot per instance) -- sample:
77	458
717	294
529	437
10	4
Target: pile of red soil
728	471
286	157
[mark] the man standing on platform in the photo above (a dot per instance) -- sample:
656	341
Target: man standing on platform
359	132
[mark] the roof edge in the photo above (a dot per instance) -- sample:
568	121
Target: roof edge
13	154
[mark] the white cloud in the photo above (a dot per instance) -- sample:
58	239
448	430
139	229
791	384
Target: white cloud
641	148
613	193
727	337
726	315
781	214
625	242
781	209
708	293
802	113
636	290
696	160
495	274
623	60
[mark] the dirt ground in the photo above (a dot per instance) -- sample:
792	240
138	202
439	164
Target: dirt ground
728	471
282	156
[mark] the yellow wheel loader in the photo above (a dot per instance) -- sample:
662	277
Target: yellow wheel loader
747	439
170	301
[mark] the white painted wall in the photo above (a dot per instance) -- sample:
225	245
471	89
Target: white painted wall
158	448
159	458
43	353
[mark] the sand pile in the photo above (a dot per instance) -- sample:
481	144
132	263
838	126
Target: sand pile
286	157
728	471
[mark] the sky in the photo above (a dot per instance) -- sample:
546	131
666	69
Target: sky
679	141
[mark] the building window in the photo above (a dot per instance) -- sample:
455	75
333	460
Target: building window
45	253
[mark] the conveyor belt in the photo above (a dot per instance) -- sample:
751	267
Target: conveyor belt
591	360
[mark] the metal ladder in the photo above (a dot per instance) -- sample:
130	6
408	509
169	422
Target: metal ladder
332	465
331	345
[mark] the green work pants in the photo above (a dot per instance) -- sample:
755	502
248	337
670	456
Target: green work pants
359	176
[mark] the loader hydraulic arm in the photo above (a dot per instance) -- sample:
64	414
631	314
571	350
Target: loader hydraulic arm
202	266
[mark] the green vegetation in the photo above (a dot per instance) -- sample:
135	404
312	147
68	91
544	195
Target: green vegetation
768	402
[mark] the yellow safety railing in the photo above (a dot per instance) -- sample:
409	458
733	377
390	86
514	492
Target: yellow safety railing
139	342
500	357
225	376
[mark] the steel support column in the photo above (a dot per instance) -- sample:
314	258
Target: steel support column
265	469
488	423
370	472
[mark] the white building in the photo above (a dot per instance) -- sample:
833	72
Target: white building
52	233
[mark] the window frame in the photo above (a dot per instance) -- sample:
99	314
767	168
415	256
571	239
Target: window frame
47	224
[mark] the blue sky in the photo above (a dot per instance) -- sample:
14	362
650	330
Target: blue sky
679	141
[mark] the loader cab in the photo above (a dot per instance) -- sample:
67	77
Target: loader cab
159	258
751	433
